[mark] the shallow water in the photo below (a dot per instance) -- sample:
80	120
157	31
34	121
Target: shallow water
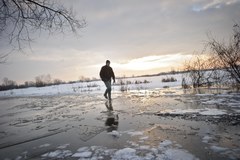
31	127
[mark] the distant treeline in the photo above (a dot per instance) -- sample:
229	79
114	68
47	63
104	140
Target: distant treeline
40	81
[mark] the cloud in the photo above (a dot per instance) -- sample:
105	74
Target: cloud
214	4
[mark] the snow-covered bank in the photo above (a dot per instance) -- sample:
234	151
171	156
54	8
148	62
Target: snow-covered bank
94	87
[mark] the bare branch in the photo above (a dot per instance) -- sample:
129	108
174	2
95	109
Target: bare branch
228	55
19	19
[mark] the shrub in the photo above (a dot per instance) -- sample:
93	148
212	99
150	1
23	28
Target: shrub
172	79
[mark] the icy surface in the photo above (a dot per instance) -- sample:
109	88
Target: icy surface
115	133
79	112
44	145
165	143
136	133
126	153
85	154
213	112
63	146
218	149
206	139
58	154
176	154
167	150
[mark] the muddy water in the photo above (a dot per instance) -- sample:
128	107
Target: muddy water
33	126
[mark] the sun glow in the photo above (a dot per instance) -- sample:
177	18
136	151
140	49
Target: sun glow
153	62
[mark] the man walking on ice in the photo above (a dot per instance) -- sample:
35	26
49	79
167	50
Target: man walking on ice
106	74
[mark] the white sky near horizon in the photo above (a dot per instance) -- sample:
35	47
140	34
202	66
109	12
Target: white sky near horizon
138	37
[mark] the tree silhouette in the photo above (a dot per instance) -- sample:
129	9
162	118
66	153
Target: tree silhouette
19	19
228	54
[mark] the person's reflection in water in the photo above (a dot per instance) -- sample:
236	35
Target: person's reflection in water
112	120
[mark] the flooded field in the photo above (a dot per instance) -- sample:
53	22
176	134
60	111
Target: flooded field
139	124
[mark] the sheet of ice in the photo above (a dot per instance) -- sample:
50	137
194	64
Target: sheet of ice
165	143
125	153
204	95
115	133
58	154
44	145
133	143
180	111
135	133
210	102
213	112
83	149
63	146
178	154
206	139
218	149
144	138
167	150
145	147
18	158
85	154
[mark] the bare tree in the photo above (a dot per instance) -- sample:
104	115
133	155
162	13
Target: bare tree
202	71
19	19
43	80
8	84
228	55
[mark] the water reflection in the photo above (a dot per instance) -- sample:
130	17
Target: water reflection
112	119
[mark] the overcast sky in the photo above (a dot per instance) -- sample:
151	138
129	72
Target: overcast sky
137	36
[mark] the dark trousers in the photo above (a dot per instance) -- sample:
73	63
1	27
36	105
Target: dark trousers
109	89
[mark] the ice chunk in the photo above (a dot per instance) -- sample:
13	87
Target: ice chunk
145	147
57	154
82	149
177	154
165	143
44	145
115	133
212	112
126	153
144	138
86	154
206	139
136	133
63	146
18	158
53	154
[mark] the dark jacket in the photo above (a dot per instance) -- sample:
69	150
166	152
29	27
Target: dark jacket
107	73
